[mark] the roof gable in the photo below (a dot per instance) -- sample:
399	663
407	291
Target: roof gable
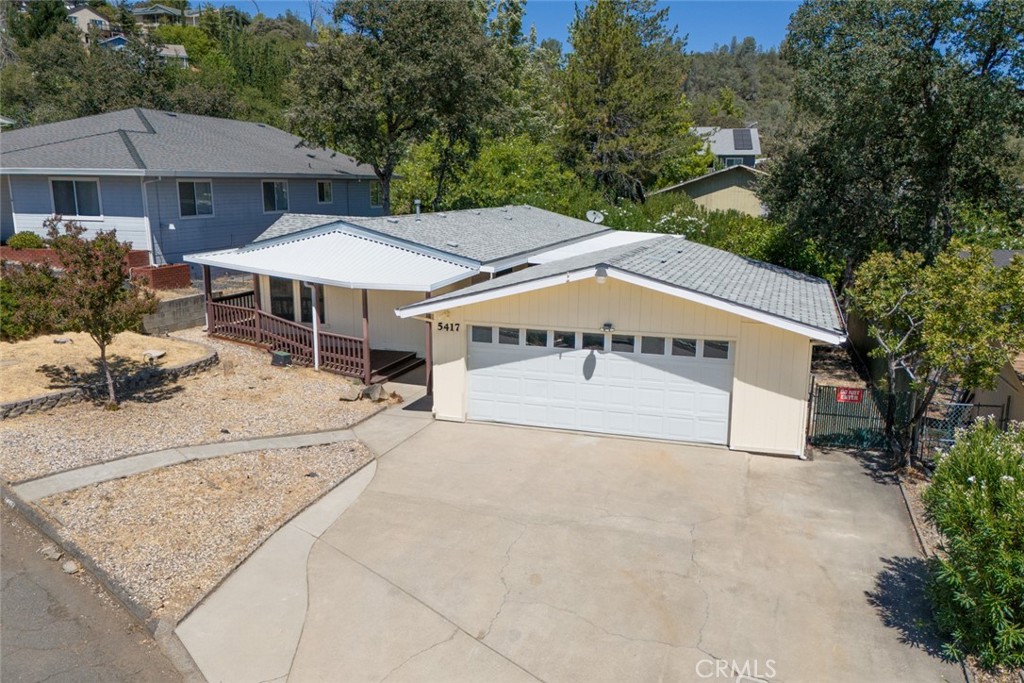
731	141
674	265
738	172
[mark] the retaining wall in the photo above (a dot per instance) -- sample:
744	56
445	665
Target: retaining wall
142	379
176	314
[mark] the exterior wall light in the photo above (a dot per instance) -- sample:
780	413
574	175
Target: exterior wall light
608	327
601	275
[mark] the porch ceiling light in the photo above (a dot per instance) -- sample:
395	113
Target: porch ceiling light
608	327
601	275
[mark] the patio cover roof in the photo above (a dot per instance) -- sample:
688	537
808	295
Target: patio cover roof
342	259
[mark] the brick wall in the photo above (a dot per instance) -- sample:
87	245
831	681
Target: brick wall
171	276
136	257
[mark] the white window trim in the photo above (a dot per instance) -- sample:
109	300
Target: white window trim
99	198
276	210
737	161
381	185
213	204
330	184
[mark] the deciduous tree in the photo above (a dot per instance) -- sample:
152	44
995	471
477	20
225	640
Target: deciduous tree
93	294
959	319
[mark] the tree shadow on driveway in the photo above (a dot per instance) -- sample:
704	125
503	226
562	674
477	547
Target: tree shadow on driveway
899	599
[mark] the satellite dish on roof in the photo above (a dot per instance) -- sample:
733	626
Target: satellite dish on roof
595	216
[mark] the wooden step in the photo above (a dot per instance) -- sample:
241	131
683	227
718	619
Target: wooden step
395	369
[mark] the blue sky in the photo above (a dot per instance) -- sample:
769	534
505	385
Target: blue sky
706	21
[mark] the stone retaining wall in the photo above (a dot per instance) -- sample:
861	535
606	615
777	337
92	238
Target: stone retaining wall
140	380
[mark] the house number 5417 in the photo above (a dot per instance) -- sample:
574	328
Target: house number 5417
448	327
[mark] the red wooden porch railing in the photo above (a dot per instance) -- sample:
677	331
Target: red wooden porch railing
338	353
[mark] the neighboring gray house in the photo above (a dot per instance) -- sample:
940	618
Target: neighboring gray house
732	146
173	183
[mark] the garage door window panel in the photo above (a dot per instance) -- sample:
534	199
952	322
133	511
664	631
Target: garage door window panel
536	337
716	349
684	347
592	341
623	343
653	346
482	335
564	340
509	335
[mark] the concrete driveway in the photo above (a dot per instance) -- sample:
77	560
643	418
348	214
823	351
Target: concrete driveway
488	553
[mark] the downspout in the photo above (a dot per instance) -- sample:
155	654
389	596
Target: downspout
10	198
145	211
145	215
314	304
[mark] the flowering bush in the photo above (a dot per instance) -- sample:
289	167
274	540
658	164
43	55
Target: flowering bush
976	500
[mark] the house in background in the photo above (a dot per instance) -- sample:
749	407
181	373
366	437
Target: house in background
172	183
731	146
730	189
175	55
1005	401
148	18
90	22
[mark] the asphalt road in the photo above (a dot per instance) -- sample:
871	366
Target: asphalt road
55	627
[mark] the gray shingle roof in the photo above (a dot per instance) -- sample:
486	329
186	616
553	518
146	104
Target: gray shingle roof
699	268
484	235
181	144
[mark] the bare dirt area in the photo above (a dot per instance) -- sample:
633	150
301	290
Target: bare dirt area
40	366
242	397
831	365
170	535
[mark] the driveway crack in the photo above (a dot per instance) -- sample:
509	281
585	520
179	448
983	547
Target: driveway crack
504	582
424	651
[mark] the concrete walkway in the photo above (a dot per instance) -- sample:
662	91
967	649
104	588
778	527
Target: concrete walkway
249	628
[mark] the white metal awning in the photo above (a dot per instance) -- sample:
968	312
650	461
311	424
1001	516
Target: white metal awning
616	238
341	259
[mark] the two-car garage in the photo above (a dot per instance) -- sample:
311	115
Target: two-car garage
654	386
664	339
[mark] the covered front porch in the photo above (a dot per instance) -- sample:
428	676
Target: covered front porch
240	317
328	298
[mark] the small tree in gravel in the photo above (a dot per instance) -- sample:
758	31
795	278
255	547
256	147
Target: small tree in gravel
94	295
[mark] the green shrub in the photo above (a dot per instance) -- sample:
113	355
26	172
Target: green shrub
26	240
976	500
26	301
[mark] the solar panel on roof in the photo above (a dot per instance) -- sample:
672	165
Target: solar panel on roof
741	138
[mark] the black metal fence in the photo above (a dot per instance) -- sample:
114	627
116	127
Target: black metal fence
839	419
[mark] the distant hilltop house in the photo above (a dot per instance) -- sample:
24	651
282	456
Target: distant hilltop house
90	22
154	15
731	146
173	184
730	189
175	55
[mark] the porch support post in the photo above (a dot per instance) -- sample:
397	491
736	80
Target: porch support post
256	294
207	294
258	306
315	305
367	370
429	367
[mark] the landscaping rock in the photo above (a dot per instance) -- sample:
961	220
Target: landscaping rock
63	340
351	391
71	567
51	552
153	354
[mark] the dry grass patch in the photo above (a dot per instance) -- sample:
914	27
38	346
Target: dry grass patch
169	536
241	398
22	361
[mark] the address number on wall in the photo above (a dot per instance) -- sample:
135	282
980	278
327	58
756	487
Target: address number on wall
448	327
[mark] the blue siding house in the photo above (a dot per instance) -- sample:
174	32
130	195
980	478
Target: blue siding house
173	184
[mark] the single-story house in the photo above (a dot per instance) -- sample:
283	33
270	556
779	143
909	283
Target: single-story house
731	146
173	183
533	318
156	14
729	189
354	272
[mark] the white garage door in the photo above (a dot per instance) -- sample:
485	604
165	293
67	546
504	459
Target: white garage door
638	385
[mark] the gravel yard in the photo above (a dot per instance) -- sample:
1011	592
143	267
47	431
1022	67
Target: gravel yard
242	397
168	536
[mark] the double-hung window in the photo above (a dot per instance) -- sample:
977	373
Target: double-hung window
275	196
376	195
195	198
76	197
